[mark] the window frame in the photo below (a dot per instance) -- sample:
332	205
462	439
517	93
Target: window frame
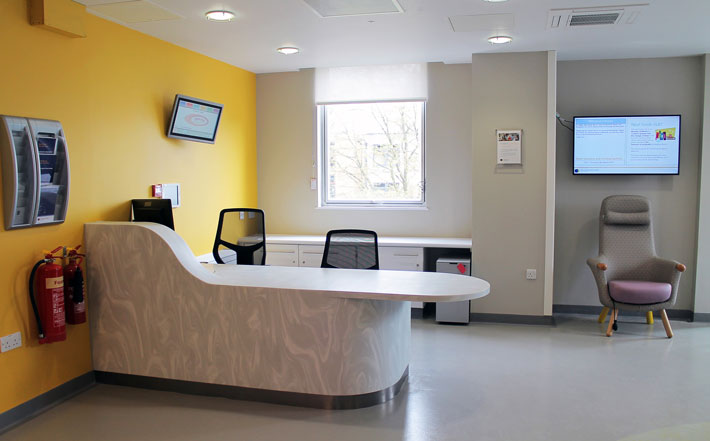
323	166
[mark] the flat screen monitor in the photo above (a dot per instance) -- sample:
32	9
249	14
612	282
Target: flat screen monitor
627	145
159	211
194	119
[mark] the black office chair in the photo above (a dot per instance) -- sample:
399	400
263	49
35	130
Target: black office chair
241	237
355	249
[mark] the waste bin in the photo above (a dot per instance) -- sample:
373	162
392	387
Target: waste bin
453	312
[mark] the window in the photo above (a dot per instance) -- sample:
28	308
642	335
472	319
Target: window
372	153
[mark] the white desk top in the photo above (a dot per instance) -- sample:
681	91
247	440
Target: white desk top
355	284
420	242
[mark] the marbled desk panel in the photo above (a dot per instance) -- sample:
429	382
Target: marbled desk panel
157	312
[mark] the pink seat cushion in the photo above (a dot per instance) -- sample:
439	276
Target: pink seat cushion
639	292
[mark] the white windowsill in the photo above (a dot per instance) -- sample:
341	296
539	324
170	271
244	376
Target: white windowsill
374	208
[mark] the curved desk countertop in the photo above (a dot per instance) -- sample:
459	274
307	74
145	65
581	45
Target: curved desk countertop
331	338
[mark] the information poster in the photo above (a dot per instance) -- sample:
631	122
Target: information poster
509	146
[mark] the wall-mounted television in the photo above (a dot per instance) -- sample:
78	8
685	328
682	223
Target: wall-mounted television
194	119
627	145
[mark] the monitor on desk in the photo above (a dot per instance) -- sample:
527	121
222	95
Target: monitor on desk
159	211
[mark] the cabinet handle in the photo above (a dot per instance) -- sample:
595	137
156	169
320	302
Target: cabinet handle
406	255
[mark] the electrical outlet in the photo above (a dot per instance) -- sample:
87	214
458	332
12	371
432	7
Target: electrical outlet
531	274
10	342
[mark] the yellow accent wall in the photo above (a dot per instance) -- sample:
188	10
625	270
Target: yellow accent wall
113	92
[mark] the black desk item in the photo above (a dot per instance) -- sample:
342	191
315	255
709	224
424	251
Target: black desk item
159	211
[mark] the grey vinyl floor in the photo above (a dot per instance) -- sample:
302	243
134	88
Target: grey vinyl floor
478	382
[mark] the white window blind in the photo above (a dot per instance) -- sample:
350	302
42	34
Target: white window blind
371	83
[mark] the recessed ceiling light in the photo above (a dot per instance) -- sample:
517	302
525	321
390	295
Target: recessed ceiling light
500	39
219	15
288	50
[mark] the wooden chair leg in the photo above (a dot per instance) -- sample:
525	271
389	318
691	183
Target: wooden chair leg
649	317
609	329
666	323
602	315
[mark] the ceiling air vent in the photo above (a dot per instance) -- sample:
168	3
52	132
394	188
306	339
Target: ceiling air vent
345	8
594	19
600	16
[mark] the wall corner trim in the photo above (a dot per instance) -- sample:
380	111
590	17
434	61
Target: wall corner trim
32	408
551	169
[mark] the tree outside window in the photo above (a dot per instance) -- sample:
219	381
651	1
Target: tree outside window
373	153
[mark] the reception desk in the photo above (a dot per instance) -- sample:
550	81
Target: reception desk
330	338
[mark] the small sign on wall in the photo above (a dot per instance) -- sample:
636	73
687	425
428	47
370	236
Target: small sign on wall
509	144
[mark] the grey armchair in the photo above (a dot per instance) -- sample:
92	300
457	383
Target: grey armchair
628	272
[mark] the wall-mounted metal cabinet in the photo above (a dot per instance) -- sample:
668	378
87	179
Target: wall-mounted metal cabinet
35	171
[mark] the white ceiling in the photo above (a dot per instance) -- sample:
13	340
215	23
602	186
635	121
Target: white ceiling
422	33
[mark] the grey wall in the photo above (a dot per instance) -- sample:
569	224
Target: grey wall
702	280
286	160
510	91
618	87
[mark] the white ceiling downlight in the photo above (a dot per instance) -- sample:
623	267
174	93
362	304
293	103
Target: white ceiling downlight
219	15
500	39
288	50
589	17
340	8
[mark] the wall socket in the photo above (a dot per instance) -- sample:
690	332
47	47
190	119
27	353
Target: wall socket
10	342
531	274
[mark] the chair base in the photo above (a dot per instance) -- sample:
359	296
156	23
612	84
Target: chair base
666	323
602	315
612	318
649	319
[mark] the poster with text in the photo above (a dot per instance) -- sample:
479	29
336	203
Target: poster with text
509	146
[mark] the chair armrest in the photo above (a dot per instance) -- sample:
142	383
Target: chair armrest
666	270
599	266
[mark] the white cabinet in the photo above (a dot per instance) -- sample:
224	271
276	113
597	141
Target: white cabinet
282	255
403	259
310	255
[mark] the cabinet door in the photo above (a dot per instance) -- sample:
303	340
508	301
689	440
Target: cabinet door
310	255
282	255
402	258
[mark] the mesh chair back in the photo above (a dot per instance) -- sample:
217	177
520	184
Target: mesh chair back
355	249
626	237
241	237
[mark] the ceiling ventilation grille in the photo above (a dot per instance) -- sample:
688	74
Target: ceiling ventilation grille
594	19
346	8
131	11
587	17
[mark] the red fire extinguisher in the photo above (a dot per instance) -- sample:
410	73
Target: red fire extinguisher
74	305
48	305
